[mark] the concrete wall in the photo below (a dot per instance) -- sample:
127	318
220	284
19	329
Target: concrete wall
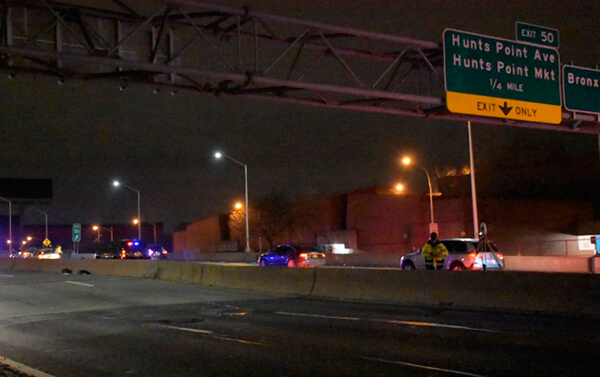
531	292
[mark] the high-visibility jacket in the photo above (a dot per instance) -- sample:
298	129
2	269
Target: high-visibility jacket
435	251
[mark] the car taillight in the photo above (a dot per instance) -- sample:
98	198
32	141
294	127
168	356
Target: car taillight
304	255
500	256
164	252
475	255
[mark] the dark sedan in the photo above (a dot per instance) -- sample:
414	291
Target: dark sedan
292	256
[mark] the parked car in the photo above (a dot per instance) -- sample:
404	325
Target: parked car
47	253
23	254
462	255
125	249
157	252
293	256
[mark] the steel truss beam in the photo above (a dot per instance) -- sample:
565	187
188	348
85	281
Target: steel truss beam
184	44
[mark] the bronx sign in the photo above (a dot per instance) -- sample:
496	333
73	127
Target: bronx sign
581	88
500	78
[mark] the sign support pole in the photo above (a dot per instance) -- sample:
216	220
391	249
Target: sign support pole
473	188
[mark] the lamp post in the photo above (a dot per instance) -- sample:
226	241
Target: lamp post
406	161
154	232
117	184
219	155
98	228
46	217
9	241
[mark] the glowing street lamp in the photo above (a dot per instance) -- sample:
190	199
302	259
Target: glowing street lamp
238	206
399	187
139	217
406	161
219	155
97	228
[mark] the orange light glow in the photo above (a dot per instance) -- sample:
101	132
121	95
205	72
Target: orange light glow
304	255
406	161
136	221
238	205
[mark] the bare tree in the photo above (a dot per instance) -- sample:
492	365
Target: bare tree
273	217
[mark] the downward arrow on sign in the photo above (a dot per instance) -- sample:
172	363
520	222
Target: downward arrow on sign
505	109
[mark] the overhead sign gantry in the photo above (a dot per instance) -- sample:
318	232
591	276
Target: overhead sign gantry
499	78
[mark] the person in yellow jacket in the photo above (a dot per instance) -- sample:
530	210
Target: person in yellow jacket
434	252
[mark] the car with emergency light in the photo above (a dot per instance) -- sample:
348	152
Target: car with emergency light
293	256
462	255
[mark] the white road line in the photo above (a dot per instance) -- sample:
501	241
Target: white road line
6	276
432	324
391	321
319	316
196	331
78	283
23	368
423	367
212	335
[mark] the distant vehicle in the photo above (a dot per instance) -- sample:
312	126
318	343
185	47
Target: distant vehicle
47	253
293	256
23	254
462	255
157	252
125	249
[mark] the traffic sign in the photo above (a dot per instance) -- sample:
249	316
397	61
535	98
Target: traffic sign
537	34
76	232
581	89
46	242
500	78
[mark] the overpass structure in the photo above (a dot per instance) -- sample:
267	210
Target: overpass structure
185	45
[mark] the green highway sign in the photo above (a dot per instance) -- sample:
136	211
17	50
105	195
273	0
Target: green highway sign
76	232
581	89
537	34
501	78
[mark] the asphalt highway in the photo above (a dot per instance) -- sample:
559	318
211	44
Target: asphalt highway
86	325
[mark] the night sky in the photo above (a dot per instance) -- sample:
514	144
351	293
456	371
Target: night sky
85	134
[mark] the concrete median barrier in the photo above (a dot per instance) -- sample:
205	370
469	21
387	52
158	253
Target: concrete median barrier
6	264
180	272
551	293
572	294
270	280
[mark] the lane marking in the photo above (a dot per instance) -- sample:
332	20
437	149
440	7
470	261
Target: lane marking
391	321
23	368
212	335
6	276
433	324
319	316
197	331
412	365
78	283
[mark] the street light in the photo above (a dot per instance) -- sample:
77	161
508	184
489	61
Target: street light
406	161
139	217
46	217
98	228
218	155
9	241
